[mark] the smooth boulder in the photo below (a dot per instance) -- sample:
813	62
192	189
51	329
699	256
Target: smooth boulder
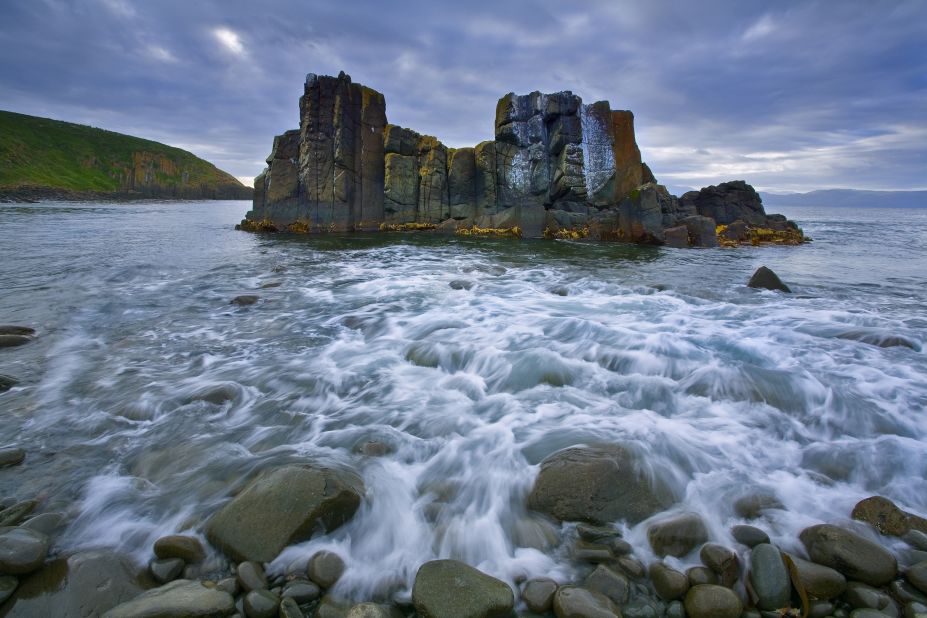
575	602
187	548
677	535
669	583
850	554
707	601
281	507
770	577
325	568
819	581
598	484
11	457
22	550
538	594
452	589
766	279
179	599
885	516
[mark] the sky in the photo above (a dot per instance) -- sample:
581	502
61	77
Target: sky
789	96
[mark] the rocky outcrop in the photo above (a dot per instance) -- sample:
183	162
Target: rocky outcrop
557	167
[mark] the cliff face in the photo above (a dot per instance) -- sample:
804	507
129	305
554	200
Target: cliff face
557	167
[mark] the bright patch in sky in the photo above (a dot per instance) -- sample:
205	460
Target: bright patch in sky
229	40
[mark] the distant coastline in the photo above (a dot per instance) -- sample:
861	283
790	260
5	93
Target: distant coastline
848	198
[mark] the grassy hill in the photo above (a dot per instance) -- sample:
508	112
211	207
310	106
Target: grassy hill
40	157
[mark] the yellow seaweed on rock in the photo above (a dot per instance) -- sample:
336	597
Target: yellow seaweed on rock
512	232
566	234
406	227
264	225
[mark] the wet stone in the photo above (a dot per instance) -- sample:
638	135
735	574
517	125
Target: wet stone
289	608
769	577
181	598
332	607
678	535
12	341
860	595
46	523
261	604
245	300
631	566
915	610
251	576
753	505
21	551
7	382
187	548
917	576
8	585
11	456
905	592
595	534
228	584
15	514
702	575
538	594
374	610
325	568
613	585
820	609
640	609
9	329
750	536
708	601
669	583
584	551
767	279
575	602
461	284
301	591
452	589
373	448
868	613
819	581
916	539
854	556
166	569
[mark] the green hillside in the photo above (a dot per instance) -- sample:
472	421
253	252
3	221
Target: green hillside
40	157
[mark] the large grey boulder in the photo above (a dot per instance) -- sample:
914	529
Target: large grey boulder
727	202
598	484
281	507
452	589
179	599
849	553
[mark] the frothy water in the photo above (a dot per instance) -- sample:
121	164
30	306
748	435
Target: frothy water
148	398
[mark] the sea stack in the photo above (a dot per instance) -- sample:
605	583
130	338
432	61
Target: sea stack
557	168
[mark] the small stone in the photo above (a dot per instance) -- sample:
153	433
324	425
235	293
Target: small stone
574	602
166	569
675	610
301	590
8	585
289	608
21	550
325	568
770	577
722	561
641	608
753	505
332	607
46	523
702	575
178	598
819	581
452	589
820	609
669	583
678	535
883	515
6	383
917	576
707	601
905	592
13	515
750	536
271	284
373	448
251	576
860	595
767	279
228	584
584	551
11	457
187	548
619	546
538	594
595	534
613	585
632	567
245	300
261	604
461	284
854	556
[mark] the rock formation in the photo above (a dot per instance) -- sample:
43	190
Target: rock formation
557	168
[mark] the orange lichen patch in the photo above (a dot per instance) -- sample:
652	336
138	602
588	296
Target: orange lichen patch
511	232
406	227
264	225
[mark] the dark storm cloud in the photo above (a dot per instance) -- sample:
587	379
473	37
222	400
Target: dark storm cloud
787	95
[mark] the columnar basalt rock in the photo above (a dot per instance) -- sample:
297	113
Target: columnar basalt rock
557	167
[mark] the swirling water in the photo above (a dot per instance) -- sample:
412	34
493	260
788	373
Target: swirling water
147	398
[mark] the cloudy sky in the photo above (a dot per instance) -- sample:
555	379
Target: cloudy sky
786	95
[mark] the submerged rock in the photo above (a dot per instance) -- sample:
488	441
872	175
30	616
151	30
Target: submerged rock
6	383
677	535
22	331
166	569
538	594
325	568
187	548
11	457
281	507
180	599
12	341
244	300
850	554
768	280
452	589
599	485
261	604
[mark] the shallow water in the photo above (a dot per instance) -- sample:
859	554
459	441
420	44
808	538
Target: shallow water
147	397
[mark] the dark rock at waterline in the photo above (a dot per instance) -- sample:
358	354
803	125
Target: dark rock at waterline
84	584
707	601
766	279
261	604
179	599
917	576
21	550
452	589
883	515
677	236
770	577
598	484
538	594
677	535
819	581
217	394
250	576
575	602
325	568
11	457
24	331
12	341
606	581
6	383
727	202
878	338
669	583
165	570
750	536
722	561
461	284
245	300
187	548
373	448
850	554
283	506
701	231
